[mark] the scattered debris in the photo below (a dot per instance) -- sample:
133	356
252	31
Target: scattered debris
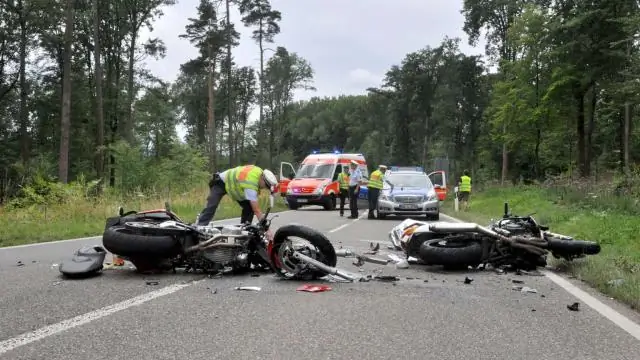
468	280
395	258
248	288
412	260
255	275
426	280
314	288
54	265
152	282
574	307
525	289
20	263
214	291
533	310
386	278
517	281
373	249
402	264
389	247
499	271
56	283
616	282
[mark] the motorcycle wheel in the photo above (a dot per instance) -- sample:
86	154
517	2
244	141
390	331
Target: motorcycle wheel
451	253
285	266
124	242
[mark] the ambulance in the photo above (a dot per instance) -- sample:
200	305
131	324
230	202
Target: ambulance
316	180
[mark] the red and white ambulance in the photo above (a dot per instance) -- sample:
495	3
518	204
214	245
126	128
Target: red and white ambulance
316	180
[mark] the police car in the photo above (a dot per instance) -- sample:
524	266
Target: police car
413	194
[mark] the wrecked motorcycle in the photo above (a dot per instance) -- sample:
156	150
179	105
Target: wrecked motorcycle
515	241
159	240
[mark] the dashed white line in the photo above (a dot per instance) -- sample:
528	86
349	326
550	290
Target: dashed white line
39	334
349	223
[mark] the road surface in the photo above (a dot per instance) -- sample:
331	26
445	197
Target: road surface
428	314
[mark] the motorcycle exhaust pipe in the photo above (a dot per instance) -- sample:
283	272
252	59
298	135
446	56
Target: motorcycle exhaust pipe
328	269
209	243
349	253
445	227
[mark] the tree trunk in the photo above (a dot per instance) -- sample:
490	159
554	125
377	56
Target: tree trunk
580	131
231	141
589	136
63	169
127	126
211	116
261	102
99	96
24	116
625	137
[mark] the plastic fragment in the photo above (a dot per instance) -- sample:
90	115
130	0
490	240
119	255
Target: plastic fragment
152	282
468	280
248	288
402	264
314	288
525	289
574	307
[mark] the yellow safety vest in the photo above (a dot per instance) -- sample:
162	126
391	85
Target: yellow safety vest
344	180
375	180
240	178
465	183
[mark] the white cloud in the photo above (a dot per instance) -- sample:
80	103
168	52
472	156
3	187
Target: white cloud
364	77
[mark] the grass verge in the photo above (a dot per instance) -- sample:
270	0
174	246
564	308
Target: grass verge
80	218
615	271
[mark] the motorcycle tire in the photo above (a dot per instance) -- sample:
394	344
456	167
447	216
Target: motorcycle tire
325	249
153	228
450	253
121	241
573	247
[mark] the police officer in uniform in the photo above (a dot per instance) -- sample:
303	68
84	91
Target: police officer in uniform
242	184
375	186
464	189
355	180
343	179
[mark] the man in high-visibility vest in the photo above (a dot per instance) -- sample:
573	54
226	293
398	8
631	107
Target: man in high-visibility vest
343	180
375	184
464	189
242	184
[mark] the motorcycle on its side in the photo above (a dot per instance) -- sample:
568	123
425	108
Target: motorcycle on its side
516	241
158	240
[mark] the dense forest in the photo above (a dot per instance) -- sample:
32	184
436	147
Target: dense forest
76	104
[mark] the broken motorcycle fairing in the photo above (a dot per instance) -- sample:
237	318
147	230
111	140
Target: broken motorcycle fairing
516	241
157	240
86	261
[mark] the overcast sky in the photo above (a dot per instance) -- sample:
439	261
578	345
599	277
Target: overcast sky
349	43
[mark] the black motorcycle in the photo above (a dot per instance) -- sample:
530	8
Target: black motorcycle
514	241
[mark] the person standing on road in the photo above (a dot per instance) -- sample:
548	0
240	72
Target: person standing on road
242	184
464	189
375	185
343	179
355	180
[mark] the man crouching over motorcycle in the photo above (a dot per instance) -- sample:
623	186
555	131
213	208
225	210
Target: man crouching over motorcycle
242	184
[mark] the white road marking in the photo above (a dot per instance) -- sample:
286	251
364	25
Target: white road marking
100	236
349	223
606	311
39	334
622	321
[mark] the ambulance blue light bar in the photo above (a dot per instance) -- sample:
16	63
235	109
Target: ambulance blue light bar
407	168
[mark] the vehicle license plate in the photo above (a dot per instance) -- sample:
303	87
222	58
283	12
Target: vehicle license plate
301	200
408	206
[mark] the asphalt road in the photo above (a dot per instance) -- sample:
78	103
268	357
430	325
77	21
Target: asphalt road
428	314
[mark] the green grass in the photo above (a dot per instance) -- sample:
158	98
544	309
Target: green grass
79	217
617	231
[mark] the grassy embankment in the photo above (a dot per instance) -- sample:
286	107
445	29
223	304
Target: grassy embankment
81	217
612	221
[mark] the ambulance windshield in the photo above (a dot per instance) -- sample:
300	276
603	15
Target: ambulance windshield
315	171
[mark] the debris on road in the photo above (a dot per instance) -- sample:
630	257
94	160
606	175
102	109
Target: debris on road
314	288
574	307
152	282
20	263
517	281
525	289
468	280
248	288
402	264
386	278
373	249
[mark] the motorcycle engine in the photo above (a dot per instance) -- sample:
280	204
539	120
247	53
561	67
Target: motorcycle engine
513	227
229	255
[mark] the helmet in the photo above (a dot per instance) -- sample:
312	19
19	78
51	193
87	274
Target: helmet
269	178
